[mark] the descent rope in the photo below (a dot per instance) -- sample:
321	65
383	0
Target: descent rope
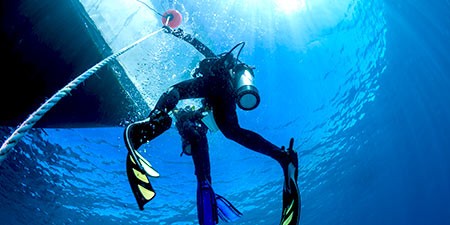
37	115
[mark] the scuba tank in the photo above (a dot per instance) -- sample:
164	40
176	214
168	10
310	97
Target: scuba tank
240	74
246	93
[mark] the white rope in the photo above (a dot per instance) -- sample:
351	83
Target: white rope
37	115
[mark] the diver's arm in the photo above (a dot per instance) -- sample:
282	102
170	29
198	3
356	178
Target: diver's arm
202	48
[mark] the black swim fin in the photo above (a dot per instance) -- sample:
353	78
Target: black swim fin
291	195
138	173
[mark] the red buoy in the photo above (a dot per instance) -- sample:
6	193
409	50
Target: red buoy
174	18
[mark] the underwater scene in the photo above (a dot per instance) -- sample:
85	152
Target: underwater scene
362	87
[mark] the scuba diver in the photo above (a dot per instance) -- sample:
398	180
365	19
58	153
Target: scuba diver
222	81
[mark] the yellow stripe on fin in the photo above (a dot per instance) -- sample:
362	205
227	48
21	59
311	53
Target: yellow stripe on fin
289	208
148	194
288	220
132	160
289	212
140	176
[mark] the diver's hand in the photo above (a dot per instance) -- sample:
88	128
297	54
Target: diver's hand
167	29
179	33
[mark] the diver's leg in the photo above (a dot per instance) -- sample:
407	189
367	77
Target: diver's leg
159	120
200	156
206	198
193	88
193	134
227	121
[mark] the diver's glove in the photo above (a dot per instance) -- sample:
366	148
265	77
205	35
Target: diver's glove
179	33
167	29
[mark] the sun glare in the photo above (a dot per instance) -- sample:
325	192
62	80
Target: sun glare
290	6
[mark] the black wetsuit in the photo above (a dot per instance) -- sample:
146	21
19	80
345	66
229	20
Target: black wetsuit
194	141
215	86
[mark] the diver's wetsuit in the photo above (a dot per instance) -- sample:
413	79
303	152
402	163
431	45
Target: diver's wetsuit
215	86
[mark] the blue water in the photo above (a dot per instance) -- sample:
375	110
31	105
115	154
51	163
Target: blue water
364	89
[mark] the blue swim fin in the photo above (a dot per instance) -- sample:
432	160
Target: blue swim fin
206	204
226	211
211	206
